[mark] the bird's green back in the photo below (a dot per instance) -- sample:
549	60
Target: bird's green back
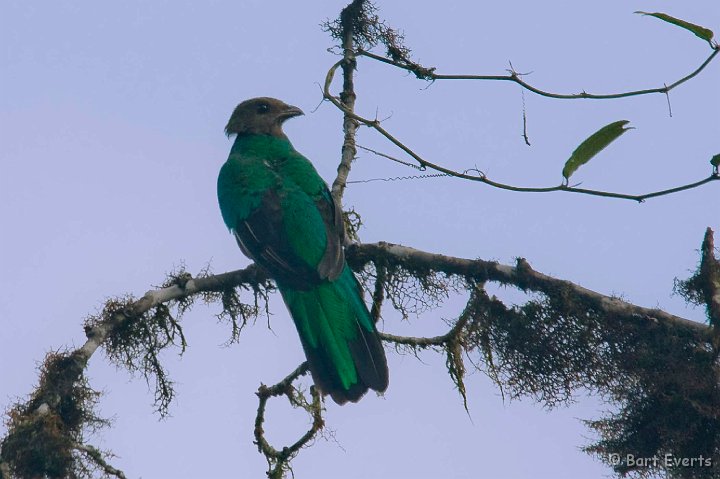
259	163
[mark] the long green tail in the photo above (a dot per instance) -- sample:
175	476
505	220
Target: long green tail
341	343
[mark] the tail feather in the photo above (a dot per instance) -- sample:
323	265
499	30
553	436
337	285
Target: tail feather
338	335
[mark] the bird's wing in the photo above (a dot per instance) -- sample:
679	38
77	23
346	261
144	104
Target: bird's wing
333	259
263	237
284	218
324	225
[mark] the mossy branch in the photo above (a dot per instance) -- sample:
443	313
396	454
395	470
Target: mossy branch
658	369
279	459
45	433
568	338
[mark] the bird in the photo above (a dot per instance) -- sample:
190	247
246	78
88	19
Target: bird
283	217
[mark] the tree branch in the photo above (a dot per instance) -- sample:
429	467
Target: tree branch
481	177
347	100
521	276
51	422
279	460
425	73
97	457
389	256
709	278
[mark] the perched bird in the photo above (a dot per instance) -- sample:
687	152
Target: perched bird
283	217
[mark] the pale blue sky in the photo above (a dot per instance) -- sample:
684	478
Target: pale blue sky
111	123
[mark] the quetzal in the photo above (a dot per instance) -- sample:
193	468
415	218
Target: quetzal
283	217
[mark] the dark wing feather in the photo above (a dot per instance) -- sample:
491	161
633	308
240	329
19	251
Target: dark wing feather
261	236
333	261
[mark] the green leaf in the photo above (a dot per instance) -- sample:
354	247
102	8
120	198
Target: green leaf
702	32
715	160
593	145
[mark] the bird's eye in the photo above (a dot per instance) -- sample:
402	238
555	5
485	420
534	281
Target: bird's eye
263	108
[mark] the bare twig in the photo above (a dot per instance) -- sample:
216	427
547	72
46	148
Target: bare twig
433	341
97	457
378	294
429	74
482	178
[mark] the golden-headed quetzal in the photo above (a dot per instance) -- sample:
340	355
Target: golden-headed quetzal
283	217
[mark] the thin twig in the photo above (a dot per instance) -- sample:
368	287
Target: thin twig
429	74
482	178
378	293
433	341
96	456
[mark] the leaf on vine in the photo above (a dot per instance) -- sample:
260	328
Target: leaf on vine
593	145
715	160
701	32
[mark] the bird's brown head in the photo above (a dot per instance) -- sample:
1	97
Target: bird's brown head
261	116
